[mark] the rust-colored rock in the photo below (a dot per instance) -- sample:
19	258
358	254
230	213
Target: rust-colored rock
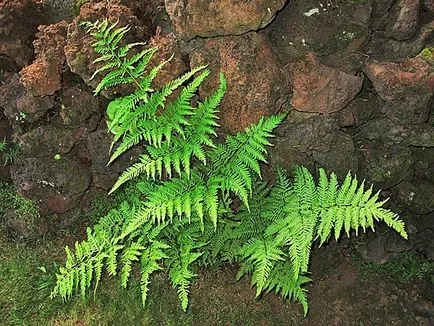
167	48
43	76
256	85
224	17
79	52
318	88
406	87
18	22
20	105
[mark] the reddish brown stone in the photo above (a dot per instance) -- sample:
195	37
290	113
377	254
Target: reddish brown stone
406	87
20	105
167	49
256	84
18	22
79	52
318	88
224	17
43	76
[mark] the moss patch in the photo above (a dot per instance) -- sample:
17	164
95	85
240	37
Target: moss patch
405	267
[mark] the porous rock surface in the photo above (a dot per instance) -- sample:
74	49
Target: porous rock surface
350	75
18	22
78	50
406	87
318	88
43	76
256	82
216	18
404	20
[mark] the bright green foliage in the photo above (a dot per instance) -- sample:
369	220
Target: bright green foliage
273	239
11	200
182	221
8	152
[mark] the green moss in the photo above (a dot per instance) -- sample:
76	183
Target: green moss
427	53
406	267
10	199
26	279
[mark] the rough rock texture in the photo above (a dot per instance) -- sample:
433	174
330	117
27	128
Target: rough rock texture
20	105
79	107
167	49
421	135
55	184
386	166
406	87
339	40
424	163
384	47
18	22
43	76
49	140
360	110
256	85
374	251
216	18
79	52
428	5
405	19
381	13
321	89
99	144
418	195
315	140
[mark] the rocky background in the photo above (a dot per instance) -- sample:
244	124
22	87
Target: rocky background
356	76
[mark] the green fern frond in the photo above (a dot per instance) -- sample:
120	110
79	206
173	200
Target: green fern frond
262	253
161	127
148	109
281	281
151	257
233	161
180	272
350	207
270	234
130	254
177	153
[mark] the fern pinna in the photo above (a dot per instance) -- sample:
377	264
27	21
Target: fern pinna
182	216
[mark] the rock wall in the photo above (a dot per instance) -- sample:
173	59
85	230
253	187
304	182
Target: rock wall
356	77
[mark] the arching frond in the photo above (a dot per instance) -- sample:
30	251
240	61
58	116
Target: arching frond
179	222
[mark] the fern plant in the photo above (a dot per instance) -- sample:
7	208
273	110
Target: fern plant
184	217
